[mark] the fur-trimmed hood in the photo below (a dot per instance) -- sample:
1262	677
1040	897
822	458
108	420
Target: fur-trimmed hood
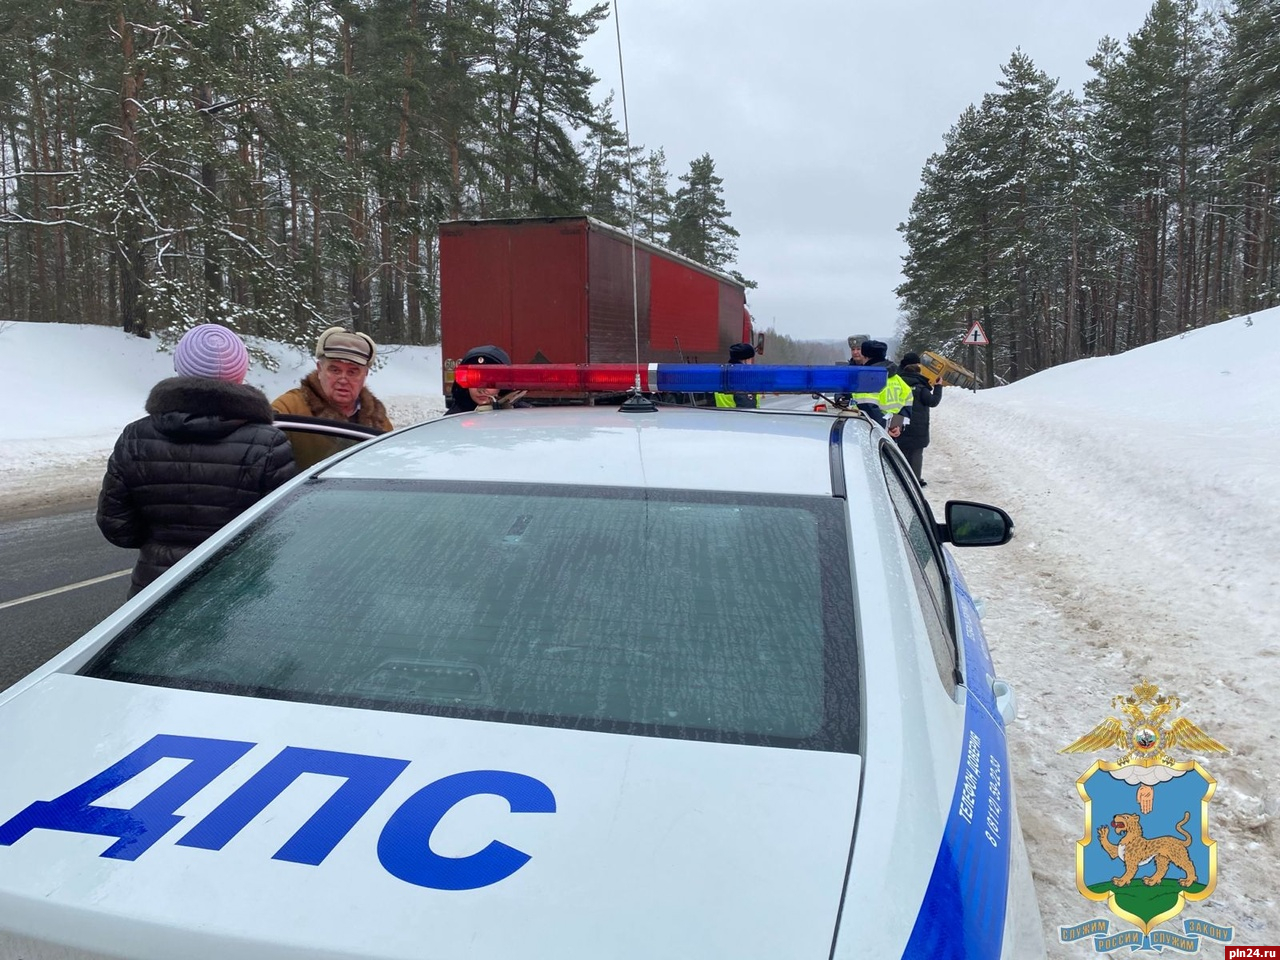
206	451
202	408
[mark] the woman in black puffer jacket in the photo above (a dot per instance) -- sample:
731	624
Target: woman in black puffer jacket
206	452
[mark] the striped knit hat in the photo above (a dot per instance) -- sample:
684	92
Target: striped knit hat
211	351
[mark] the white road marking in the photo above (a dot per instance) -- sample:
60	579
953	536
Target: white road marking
71	586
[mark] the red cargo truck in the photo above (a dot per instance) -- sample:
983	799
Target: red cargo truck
559	290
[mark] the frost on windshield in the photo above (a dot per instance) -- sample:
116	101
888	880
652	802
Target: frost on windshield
707	616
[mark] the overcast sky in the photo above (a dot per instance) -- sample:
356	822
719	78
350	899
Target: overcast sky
820	114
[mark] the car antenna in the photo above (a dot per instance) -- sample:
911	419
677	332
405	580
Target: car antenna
636	401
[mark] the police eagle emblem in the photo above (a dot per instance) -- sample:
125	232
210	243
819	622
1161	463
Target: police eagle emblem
1146	798
1143	733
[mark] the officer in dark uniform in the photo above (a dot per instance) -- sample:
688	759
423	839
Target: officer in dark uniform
739	353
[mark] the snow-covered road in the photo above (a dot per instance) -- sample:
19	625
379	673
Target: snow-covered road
1120	571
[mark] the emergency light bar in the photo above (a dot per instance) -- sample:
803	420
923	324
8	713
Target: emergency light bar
671	377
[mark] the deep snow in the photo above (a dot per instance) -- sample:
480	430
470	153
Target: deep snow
1145	489
77	386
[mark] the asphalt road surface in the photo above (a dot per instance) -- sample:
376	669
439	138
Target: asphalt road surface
48	599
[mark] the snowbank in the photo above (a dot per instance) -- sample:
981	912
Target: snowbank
77	386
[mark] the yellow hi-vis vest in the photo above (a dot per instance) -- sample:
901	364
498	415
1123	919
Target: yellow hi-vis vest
895	395
726	400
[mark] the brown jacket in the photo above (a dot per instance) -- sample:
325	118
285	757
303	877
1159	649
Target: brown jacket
308	400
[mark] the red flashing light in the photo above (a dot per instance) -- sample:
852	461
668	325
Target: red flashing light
577	378
671	378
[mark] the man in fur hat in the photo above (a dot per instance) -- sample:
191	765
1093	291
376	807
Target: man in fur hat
335	389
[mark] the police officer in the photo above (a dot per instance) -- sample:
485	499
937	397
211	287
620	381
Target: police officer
891	406
739	353
855	349
467	400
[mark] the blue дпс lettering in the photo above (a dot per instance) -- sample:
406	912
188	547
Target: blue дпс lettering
404	846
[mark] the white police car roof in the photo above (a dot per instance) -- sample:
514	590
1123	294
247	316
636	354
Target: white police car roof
648	848
676	447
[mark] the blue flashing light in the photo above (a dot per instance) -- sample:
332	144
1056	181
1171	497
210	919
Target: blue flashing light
761	378
673	378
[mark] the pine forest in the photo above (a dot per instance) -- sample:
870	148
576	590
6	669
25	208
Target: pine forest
282	165
1075	227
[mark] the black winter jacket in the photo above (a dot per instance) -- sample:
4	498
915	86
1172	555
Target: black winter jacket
924	398
207	452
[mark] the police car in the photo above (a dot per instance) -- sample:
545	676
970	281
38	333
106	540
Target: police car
572	682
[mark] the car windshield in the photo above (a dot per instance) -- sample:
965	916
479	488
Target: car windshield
714	616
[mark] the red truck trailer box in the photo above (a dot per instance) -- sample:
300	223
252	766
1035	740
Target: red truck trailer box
559	290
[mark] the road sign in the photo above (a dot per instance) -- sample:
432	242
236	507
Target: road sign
976	337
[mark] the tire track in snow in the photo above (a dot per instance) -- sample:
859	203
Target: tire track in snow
1119	573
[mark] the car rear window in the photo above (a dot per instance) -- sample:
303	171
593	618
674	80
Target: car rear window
726	617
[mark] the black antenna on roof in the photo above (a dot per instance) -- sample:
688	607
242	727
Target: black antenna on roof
631	197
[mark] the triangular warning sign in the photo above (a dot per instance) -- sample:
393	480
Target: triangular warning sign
976	335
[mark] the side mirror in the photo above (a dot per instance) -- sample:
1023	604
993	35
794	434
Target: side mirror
975	525
1006	700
